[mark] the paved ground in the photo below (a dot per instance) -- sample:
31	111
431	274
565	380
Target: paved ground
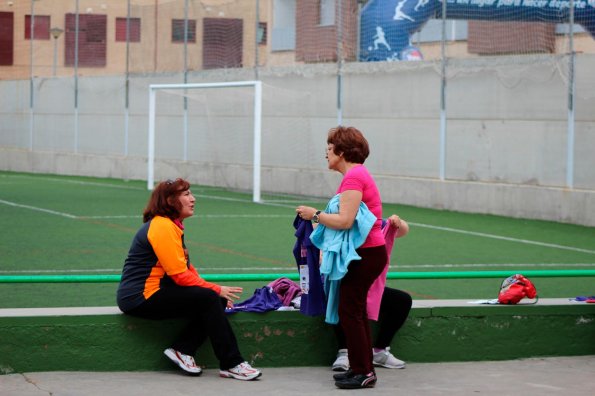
568	376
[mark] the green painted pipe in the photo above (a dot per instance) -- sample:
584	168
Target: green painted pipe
295	276
491	274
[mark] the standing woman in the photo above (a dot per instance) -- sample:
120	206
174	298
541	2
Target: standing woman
347	149
159	282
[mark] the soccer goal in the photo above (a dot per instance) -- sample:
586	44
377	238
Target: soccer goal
192	123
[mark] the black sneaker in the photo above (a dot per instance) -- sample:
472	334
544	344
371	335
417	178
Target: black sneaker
357	381
344	375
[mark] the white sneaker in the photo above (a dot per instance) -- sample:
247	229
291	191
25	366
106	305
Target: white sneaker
186	362
242	371
386	359
342	361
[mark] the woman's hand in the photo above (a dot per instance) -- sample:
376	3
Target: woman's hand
305	212
395	221
399	224
349	202
230	293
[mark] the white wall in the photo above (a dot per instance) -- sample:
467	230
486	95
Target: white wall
507	123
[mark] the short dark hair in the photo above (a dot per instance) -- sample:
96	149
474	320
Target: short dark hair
350	142
163	200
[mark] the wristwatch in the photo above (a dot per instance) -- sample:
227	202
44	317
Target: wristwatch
316	217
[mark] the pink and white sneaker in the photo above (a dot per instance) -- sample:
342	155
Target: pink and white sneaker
242	371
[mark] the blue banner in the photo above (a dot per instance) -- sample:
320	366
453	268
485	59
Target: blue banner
387	25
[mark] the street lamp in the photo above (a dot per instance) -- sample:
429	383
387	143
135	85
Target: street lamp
56	32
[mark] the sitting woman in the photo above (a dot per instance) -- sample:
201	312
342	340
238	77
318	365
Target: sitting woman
159	282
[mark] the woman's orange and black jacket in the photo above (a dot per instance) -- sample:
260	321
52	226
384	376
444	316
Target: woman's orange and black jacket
157	259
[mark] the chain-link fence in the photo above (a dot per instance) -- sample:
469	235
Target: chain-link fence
467	90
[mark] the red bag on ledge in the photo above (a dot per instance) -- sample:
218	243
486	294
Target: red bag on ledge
515	288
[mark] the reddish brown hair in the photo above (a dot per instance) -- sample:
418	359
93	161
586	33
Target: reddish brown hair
350	142
164	202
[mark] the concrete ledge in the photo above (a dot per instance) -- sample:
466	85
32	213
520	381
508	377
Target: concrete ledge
103	339
61	311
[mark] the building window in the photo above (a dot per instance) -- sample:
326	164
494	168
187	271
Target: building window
177	30
6	39
92	37
96	29
133	35
42	27
261	33
283	36
222	42
432	31
327	12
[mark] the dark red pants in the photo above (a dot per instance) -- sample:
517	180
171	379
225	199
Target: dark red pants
353	315
394	310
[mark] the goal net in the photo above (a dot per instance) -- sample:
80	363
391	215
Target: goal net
243	136
216	126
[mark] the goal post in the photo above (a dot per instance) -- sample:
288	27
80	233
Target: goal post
257	126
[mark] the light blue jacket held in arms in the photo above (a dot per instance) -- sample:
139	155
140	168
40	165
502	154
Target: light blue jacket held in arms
338	250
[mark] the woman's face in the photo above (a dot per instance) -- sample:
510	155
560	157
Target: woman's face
187	200
332	158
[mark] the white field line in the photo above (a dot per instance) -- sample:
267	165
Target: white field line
110	217
68	215
205	216
80	182
292	267
481	234
279	202
448	229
